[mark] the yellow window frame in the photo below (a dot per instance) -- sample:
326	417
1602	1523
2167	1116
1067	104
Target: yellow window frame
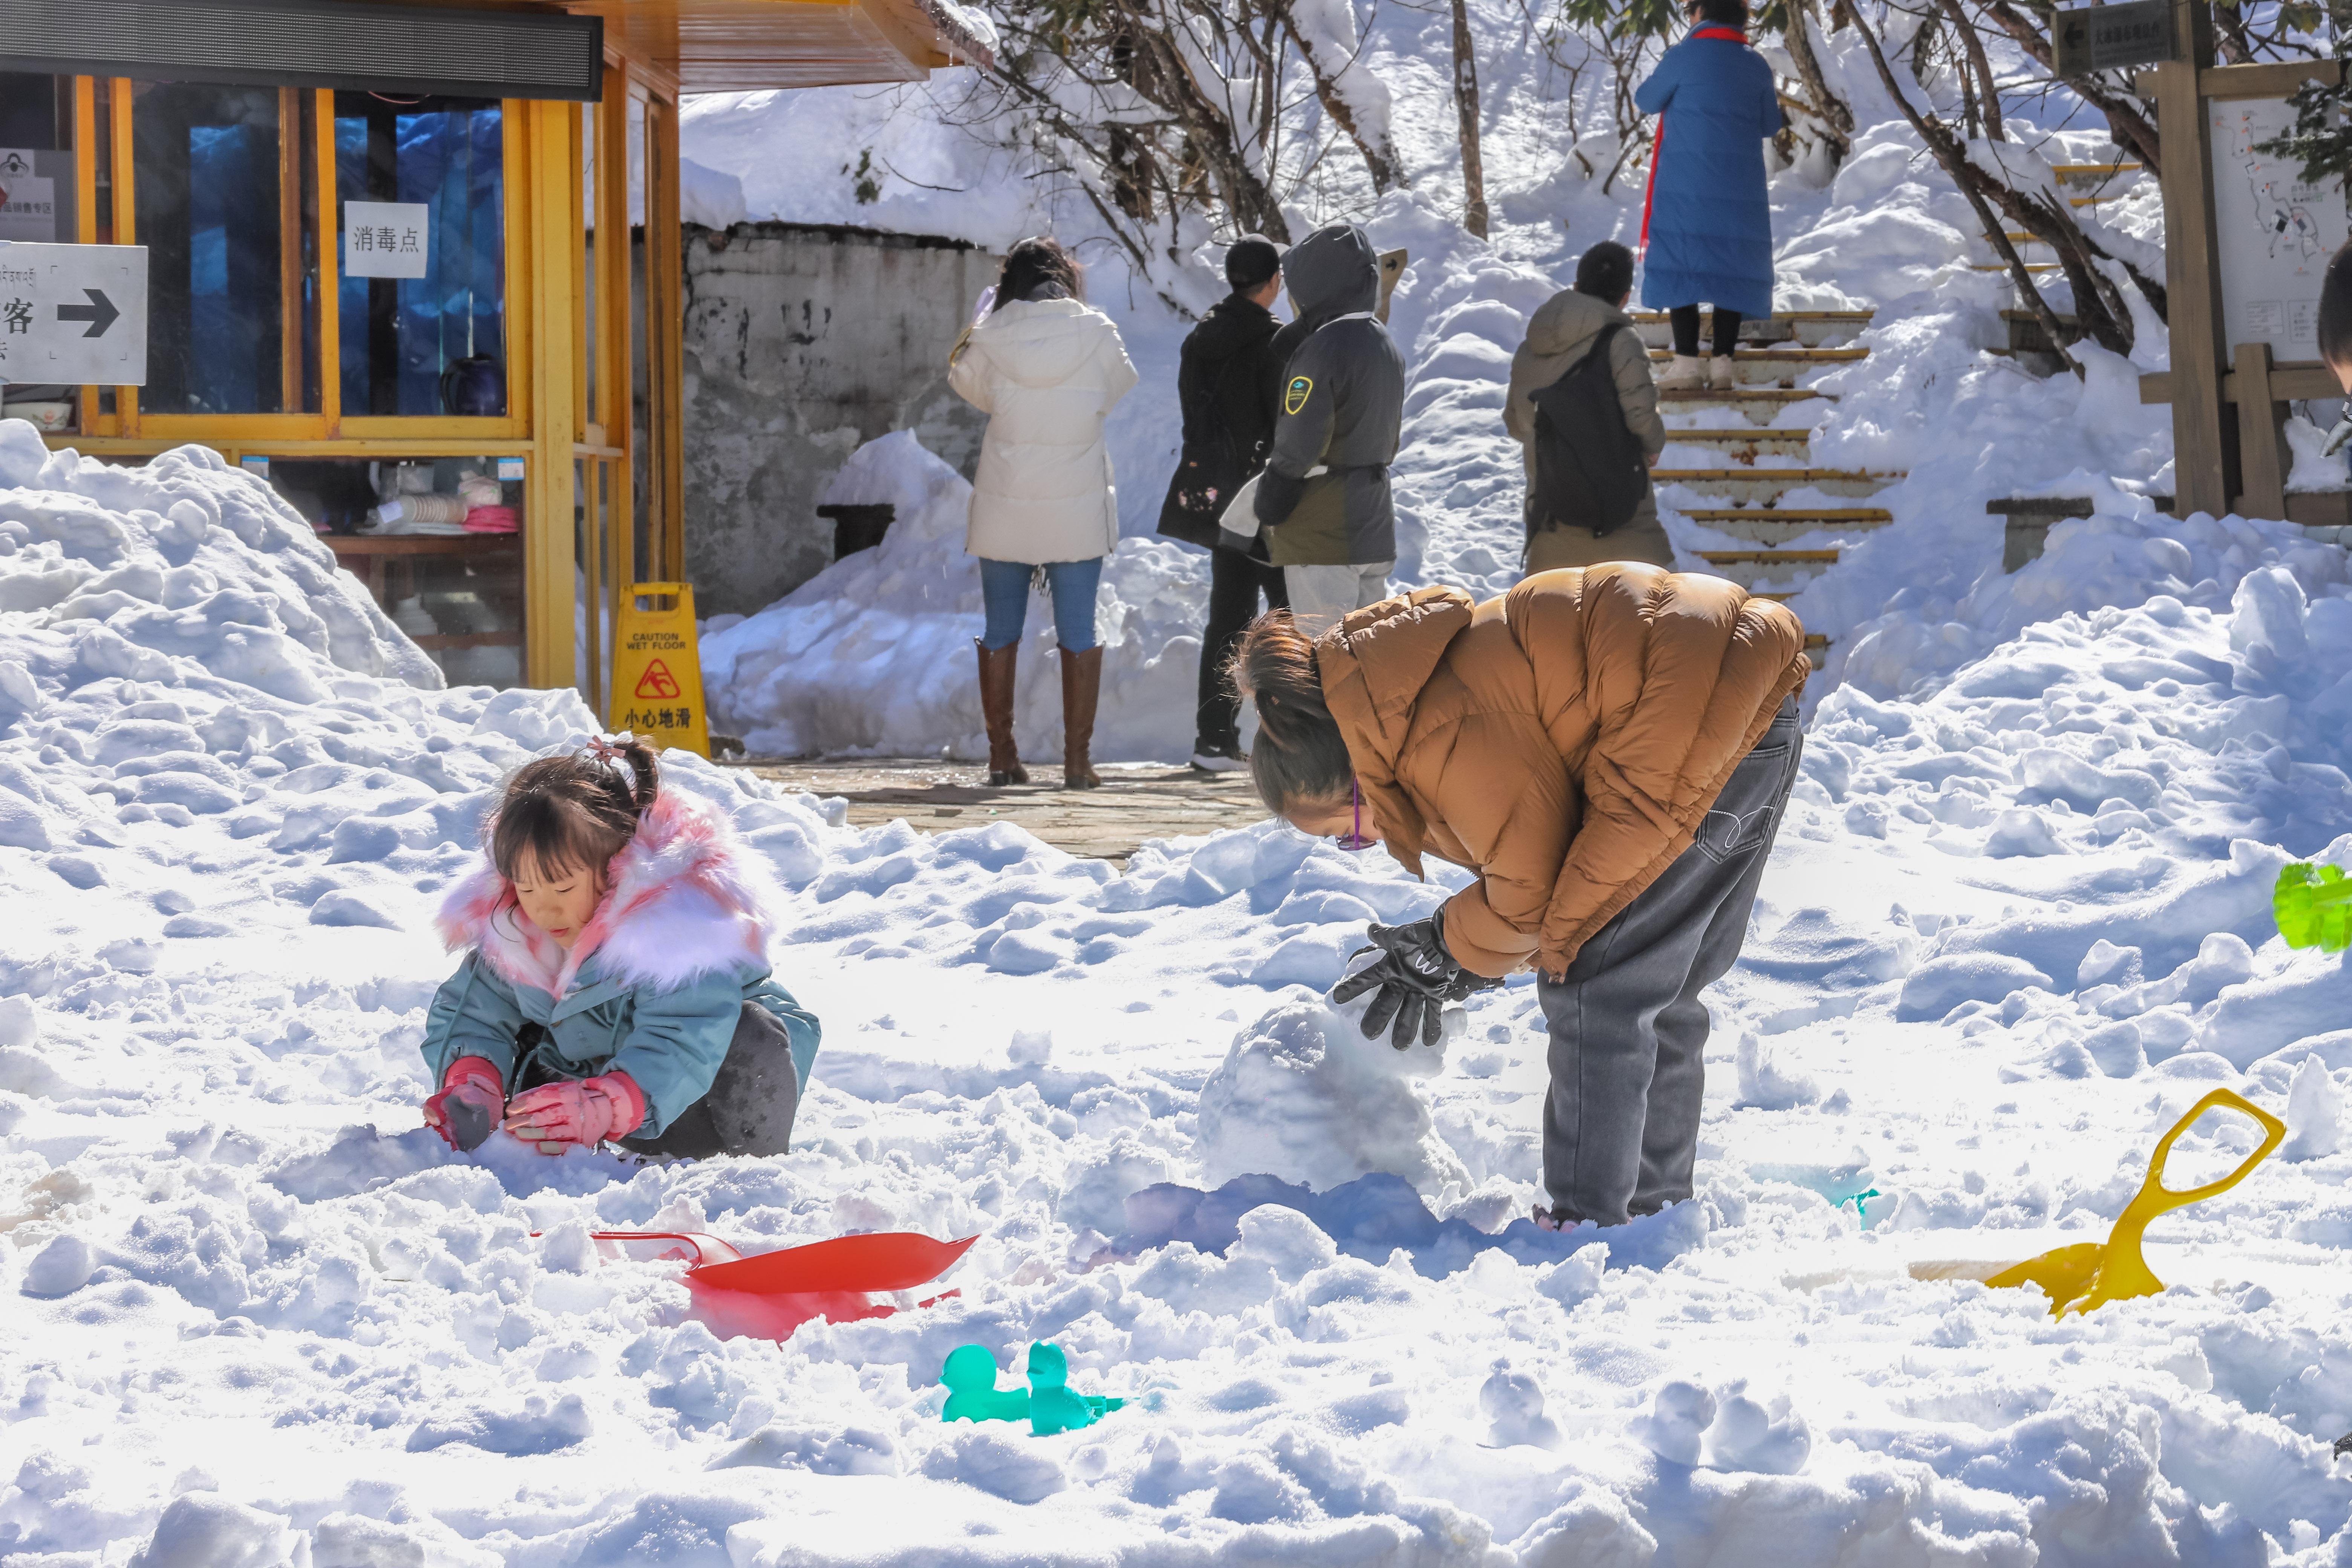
329	424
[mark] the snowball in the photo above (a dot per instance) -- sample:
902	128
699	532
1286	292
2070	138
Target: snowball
1304	1095
1766	1082
1676	1422
1513	1404
60	1268
2315	1113
205	1530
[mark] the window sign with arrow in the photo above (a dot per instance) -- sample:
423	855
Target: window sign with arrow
73	313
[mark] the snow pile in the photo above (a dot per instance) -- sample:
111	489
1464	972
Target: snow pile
2123	556
2013	927
874	654
130	571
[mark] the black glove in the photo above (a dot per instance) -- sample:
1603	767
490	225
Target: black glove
1416	978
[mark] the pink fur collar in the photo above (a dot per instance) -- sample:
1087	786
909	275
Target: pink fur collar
684	902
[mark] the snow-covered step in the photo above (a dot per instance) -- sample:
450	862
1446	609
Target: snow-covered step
1756	404
1766	485
1776	367
1808	329
1778	525
2093	173
1746	444
1794	568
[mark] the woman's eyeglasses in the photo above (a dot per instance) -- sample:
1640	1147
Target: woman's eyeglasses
1354	840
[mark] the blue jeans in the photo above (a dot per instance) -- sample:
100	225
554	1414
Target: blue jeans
1004	590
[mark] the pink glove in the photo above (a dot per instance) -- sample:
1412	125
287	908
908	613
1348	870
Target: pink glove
557	1115
466	1110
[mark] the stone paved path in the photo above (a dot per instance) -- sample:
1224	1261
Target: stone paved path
1138	800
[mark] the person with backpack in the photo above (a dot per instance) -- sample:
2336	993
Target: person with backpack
1323	503
1707	220
1229	384
1585	410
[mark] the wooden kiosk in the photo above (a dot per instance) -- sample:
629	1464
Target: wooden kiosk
440	313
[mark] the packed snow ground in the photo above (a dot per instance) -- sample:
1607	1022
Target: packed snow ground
842	664
251	1312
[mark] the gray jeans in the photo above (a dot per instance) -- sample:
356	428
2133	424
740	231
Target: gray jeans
1321	595
1628	1030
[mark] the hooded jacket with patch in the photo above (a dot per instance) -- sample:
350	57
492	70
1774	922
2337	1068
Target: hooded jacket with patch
654	987
1342	407
1560	335
1564	740
1048	373
1229	385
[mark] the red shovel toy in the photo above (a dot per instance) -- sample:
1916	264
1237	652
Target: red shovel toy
772	1293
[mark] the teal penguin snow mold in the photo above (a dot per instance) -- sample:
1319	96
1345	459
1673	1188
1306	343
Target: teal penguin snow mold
1052	1407
1047	1405
970	1376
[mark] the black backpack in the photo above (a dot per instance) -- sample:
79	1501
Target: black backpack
1590	468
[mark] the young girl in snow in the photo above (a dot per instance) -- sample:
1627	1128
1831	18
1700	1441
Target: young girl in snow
615	982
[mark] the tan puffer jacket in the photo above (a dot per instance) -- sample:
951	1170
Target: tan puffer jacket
1564	740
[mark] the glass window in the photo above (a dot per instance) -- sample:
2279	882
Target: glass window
434	344
209	179
438	541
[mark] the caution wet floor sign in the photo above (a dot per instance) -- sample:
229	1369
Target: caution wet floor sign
657	669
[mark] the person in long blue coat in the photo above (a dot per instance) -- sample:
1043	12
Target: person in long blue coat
1707	222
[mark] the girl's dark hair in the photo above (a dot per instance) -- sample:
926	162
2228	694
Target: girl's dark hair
573	812
1299	755
1724	12
1044	259
2336	309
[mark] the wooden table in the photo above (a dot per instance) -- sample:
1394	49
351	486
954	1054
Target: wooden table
386	563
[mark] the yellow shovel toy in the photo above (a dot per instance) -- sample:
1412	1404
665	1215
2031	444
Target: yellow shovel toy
2092	1273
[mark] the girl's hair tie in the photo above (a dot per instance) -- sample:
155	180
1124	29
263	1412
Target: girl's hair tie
612	749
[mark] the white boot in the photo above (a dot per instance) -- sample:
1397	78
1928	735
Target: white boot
1687	373
1718	370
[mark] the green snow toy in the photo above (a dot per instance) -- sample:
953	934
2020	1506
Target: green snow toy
2313	905
1048	1404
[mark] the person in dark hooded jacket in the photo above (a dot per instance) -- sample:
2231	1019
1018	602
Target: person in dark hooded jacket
1229	385
1323	502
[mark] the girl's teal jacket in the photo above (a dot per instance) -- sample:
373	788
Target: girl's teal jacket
655	985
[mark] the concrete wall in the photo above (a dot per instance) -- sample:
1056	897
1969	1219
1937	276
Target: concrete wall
802	343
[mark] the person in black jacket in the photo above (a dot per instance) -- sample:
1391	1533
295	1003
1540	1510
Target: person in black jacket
1230	386
1324	507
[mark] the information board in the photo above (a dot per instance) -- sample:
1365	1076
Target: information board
2113	37
2275	231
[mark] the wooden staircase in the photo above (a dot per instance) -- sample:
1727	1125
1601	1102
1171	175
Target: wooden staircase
2108	182
1733	449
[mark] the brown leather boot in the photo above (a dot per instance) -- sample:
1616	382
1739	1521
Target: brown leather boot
997	668
1081	686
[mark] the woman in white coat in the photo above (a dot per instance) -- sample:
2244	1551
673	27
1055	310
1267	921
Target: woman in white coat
1046	368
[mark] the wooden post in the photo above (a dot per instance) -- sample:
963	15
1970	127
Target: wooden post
2204	445
2258	441
553	230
